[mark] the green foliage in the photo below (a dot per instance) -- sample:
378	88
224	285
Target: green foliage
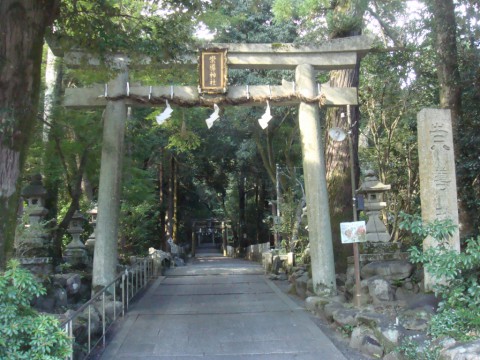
412	350
158	29
438	229
25	334
457	275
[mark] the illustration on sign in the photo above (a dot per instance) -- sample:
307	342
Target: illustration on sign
213	71
353	232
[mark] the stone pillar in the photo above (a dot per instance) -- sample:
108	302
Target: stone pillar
106	249
438	186
319	227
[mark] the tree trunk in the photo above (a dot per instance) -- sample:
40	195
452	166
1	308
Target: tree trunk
52	182
175	202
160	174
337	153
241	209
23	25
169	224
448	74
338	166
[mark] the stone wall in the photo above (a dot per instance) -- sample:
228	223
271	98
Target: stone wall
254	252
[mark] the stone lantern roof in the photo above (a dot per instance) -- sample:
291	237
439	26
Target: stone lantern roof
372	184
35	188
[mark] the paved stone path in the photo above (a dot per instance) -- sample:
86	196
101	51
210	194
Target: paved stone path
218	308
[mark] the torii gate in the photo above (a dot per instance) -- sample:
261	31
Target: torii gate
118	94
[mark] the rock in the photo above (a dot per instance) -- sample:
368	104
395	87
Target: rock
330	309
339	299
402	294
389	270
282	277
292	289
380	289
365	341
301	286
462	351
392	356
112	307
345	317
45	303
276	264
415	319
310	286
371	319
178	261
340	279
427	302
71	282
60	296
389	335
315	303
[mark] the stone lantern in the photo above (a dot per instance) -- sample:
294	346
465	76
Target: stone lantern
90	243
373	191
33	243
75	252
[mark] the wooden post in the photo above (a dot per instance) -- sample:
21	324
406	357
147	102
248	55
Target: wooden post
105	256
319	227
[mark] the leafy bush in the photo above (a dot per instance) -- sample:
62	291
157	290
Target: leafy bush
24	333
459	309
412	350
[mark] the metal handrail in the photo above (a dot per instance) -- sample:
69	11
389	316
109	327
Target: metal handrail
131	281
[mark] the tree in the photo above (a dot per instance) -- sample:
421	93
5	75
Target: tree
24	24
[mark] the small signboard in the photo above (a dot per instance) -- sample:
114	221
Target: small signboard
353	232
213	71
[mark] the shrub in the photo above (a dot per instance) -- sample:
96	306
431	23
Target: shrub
459	309
24	333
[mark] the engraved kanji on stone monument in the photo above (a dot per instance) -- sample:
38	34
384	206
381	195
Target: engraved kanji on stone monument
438	187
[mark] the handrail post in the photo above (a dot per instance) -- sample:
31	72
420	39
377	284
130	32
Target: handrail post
103	318
114	300
127	272
89	328
123	294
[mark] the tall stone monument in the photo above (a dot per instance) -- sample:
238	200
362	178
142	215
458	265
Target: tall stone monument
438	186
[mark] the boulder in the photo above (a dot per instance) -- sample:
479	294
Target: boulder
427	302
315	303
178	261
60	295
364	340
389	335
380	290
345	317
71	282
301	286
330	309
416	319
462	351
371	319
390	270
392	356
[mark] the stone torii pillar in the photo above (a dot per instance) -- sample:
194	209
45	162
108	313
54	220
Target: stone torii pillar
105	254
319	227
